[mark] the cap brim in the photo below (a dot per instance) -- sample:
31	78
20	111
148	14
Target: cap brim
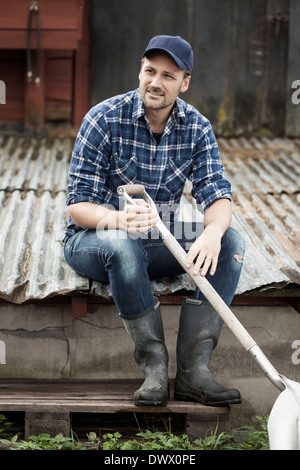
178	62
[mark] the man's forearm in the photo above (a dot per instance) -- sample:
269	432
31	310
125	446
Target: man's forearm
92	216
134	218
218	216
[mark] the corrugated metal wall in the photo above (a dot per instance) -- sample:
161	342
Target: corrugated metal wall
246	56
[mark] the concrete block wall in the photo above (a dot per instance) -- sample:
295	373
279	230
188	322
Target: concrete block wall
45	342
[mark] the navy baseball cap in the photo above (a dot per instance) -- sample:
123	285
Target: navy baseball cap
179	49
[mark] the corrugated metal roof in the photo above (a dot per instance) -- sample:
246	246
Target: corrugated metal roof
33	217
265	175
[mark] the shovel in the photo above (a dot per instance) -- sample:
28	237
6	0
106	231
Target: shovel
284	419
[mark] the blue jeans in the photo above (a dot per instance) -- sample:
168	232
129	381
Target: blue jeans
129	262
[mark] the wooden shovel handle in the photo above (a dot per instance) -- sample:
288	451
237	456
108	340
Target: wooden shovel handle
208	291
211	295
132	189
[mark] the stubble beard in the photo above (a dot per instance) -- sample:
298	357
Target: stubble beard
152	103
163	101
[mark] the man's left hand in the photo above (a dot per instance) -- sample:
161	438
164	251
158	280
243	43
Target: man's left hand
205	251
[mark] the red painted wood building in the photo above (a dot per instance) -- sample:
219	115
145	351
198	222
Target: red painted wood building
51	40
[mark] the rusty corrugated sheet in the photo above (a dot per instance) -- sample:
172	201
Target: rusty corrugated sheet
265	175
33	216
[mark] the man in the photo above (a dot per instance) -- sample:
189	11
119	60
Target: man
149	136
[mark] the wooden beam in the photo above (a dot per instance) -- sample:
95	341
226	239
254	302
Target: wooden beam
82	69
79	306
48	403
14	39
34	106
295	303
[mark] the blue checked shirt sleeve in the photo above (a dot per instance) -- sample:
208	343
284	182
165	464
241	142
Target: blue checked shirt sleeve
89	162
209	182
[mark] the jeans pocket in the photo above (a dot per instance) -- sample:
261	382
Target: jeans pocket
65	240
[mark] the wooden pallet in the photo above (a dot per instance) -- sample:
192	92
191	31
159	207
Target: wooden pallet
49	406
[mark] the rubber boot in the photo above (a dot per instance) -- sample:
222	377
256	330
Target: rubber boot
199	330
150	353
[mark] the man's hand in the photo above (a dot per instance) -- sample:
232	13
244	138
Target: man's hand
204	252
132	219
138	218
206	249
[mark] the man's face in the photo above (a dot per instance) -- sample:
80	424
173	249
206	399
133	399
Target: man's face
161	81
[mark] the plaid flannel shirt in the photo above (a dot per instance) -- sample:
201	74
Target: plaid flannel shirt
115	146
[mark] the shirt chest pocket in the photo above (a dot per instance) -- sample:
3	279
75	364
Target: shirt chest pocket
176	174
122	170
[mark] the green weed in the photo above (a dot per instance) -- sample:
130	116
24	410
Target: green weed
252	439
246	438
43	442
4	426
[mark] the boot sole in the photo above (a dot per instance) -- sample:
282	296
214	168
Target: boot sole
150	403
195	398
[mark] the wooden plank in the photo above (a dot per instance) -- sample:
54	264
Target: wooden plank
34	117
79	306
59	85
59	79
105	396
54	14
17	39
82	69
102	401
48	405
52	102
12	73
13	111
106	406
60	23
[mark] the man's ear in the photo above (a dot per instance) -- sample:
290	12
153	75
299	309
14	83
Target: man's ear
185	84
